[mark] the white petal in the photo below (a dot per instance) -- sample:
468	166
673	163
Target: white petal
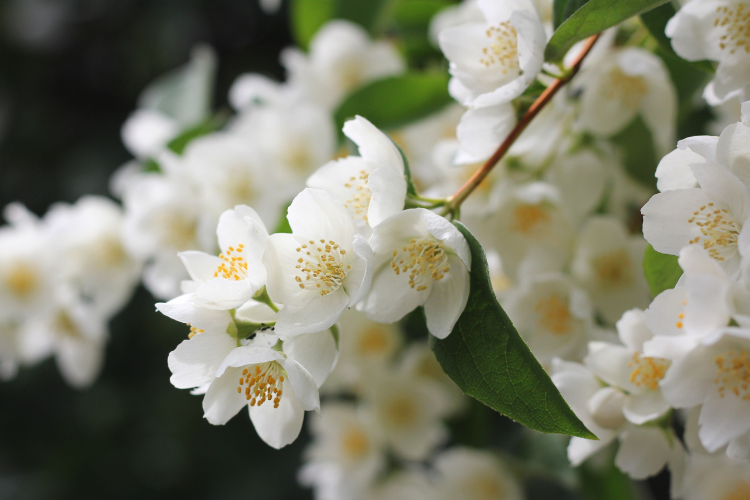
673	171
446	232
724	188
391	298
643	451
733	150
222	401
388	187
224	294
194	362
448	298
482	130
373	144
580	449
316	352
280	426
320	313
610	363
302	383
200	265
248	355
184	309
316	215
359	278
723	419
632	329
688	380
642	408
79	361
665	219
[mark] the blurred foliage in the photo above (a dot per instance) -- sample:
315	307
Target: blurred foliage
662	271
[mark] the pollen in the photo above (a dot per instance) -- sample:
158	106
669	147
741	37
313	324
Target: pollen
554	313
628	89
719	231
528	218
233	264
501	51
420	259
647	372
359	195
261	383
735	23
322	267
194	331
614	269
22	280
733	374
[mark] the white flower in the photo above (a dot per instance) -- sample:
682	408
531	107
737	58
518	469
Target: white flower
342	58
713	215
94	261
627	368
366	348
408	414
582	179
231	279
228	170
294	134
482	130
622	84
320	269
716	30
173	103
526	217
420	259
346	440
716	478
715	374
163	217
643	450
553	316
275	387
607	263
468	474
494	61
371	186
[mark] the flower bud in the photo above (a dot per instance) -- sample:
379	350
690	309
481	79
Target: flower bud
606	407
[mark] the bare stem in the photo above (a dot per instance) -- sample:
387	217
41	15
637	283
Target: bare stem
454	201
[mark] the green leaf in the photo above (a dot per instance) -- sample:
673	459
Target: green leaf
656	22
367	13
662	271
486	357
417	13
608	482
640	156
594	17
179	143
397	100
307	16
283	225
410	189
563	9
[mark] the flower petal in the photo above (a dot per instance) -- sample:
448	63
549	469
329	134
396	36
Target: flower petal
280	426
316	352
185	310
643	451
222	401
448	299
194	362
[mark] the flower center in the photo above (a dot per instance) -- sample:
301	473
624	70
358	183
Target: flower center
647	372
373	341
527	218
233	265
555	315
262	383
177	231
485	487
419	258
194	331
614	268
401	411
321	266
733	374
736	25
741	491
718	229
359	195
22	280
502	48
65	326
298	157
628	89
354	443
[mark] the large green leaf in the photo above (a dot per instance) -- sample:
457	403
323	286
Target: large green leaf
397	100
656	22
486	357
563	9
662	271
594	17
307	16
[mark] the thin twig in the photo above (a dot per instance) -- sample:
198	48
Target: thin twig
454	201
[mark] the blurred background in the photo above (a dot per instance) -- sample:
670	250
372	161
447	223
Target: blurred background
70	74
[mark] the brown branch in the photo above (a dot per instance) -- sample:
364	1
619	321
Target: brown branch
454	201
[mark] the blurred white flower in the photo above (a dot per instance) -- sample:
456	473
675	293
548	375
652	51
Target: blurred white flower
716	30
716	478
469	474
341	58
320	269
493	61
421	259
607	263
